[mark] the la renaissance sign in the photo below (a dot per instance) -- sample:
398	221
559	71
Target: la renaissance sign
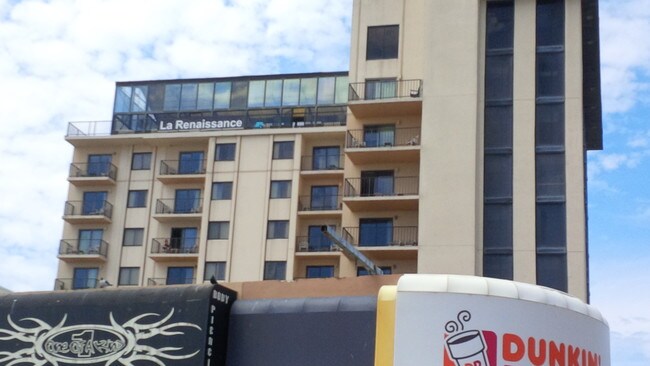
181	125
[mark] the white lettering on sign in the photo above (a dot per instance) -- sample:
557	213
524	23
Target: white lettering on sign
199	125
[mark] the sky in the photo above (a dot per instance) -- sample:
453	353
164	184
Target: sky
59	60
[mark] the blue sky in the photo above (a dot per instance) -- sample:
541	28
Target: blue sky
59	60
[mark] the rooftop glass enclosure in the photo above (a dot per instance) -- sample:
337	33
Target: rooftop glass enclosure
297	100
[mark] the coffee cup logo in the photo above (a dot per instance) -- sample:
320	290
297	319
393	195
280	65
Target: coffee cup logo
466	348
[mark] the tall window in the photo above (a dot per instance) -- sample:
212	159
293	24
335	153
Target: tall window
379	135
180	275
377	183
187	201
326	158
225	152
190	162
375	232
275	270
280	189
383	42
381	88
498	176
99	165
83	278
324	198
283	150
550	181
141	161
90	241
184	240
320	271
222	190
94	203
129	276
137	198
317	241
277	229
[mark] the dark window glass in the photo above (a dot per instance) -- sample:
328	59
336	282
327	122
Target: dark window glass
498	175
281	189
205	96
172	97
141	161
187	200
549	124
500	25
383	42
137	199
183	240
377	183
283	150
320	271
552	270
239	95
498	265
550	175
225	152
123	99
550	74
133	237
180	275
222	95
90	241
551	225
218	230
498	127
84	278
550	22
326	158
99	165
190	162
94	203
498	77
216	269
275	270
378	136
364	272
375	232
188	96
317	241
222	190
497	226
129	276
156	98
324	198
139	99
278	229
380	89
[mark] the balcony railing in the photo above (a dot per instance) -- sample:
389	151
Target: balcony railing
83	247
170	281
179	207
92	170
360	139
88	208
314	244
381	186
382	236
75	283
182	167
319	203
332	162
174	246
89	128
385	89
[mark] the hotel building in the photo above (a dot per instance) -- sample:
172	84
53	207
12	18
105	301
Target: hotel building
455	144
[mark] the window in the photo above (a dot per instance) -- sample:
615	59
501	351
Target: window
205	96
141	161
379	136
137	199
283	150
94	203
225	152
183	240
256	93
90	241
222	190
172	99
383	42
278	229
273	96
308	91
552	270
239	95
99	165
377	183
275	270
133	237
324	198
180	275
129	276
375	232
190	163
84	278
281	189
218	230
361	271
216	269
320	271
326	158
381	88
317	241
187	201
222	95
291	92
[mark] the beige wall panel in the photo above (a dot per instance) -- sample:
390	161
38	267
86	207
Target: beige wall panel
133	256
225	166
217	251
451	259
254	154
276	250
220	210
280	209
577	275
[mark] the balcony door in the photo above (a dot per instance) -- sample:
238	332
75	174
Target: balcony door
190	162
324	198
187	200
84	278
326	158
94	202
90	241
377	183
379	135
180	275
375	232
99	165
381	88
318	242
183	240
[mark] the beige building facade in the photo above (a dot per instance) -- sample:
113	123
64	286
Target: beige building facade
455	144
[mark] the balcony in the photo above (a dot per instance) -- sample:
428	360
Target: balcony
92	174
381	193
385	98
389	242
88	212
318	167
170	281
390	145
61	284
83	250
320	206
176	210
182	171
316	245
174	249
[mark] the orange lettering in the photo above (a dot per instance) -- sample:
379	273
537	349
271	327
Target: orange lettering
574	356
537	359
556	355
593	359
510	353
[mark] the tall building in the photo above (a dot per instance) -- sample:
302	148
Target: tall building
455	144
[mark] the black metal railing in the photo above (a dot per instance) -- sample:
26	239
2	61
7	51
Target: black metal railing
170	281
88	170
331	162
174	246
75	283
172	206
385	89
181	167
381	186
83	247
314	243
382	236
319	203
382	137
88	208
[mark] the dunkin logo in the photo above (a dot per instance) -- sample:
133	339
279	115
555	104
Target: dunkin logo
487	348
